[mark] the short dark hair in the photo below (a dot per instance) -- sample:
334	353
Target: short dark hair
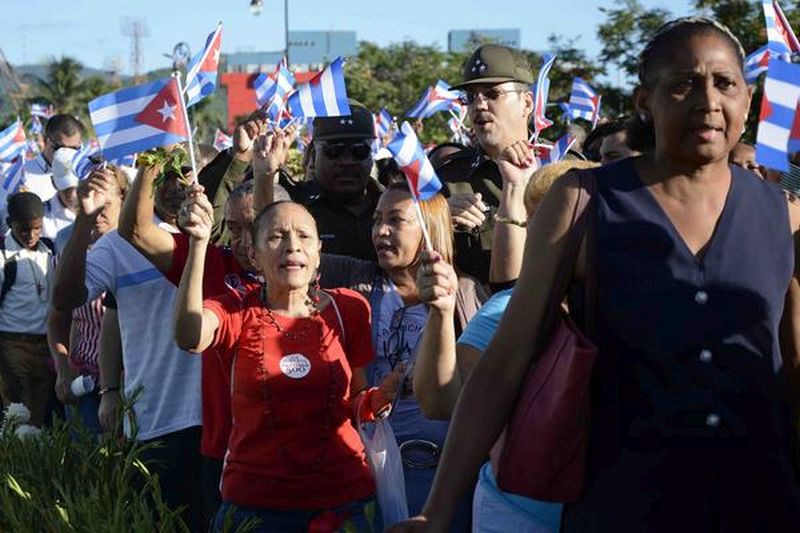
641	134
63	124
601	132
24	207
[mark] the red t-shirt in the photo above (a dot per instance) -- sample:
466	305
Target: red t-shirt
293	445
223	274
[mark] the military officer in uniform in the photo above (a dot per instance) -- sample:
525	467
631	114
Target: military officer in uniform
497	91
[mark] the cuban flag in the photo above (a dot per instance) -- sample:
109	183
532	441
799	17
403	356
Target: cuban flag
222	141
540	93
138	118
383	123
124	161
280	81
780	36
36	127
437	98
42	111
777	128
324	95
12	141
12	178
584	102
411	159
201	75
81	164
557	152
756	63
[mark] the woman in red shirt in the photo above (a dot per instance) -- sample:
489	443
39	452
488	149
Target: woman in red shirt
295	461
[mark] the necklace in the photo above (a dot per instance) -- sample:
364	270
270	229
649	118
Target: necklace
297	334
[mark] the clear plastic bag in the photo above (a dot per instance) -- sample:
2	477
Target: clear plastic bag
383	456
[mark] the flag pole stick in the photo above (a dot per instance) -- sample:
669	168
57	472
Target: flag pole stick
177	76
460	123
415	201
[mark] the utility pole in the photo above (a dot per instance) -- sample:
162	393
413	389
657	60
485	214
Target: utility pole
286	29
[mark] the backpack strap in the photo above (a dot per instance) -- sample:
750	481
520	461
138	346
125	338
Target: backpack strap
9	273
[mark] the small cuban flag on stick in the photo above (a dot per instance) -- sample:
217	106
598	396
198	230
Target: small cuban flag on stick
324	95
201	75
12	141
138	118
421	177
778	131
540	94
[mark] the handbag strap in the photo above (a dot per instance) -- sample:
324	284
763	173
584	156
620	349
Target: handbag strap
582	221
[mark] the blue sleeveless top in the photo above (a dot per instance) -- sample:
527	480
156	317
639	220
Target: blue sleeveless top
689	359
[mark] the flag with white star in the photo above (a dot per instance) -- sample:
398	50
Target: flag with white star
139	118
201	75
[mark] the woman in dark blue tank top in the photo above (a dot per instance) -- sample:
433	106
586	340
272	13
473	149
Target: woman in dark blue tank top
692	393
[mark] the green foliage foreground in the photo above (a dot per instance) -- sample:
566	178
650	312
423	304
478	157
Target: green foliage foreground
65	479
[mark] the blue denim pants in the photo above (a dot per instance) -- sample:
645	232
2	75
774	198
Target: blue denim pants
362	516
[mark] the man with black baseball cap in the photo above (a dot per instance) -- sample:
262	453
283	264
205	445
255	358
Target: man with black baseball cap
497	91
347	195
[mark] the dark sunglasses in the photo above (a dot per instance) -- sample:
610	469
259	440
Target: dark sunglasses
359	151
469	97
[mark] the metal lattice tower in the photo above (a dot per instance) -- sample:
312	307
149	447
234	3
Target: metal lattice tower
136	30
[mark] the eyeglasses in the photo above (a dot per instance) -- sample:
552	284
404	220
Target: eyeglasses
492	94
359	151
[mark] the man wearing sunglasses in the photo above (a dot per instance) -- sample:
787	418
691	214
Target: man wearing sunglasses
61	131
496	84
347	195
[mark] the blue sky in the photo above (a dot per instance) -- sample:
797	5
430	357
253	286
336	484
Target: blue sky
91	30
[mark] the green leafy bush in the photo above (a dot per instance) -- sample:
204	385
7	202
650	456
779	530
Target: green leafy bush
65	479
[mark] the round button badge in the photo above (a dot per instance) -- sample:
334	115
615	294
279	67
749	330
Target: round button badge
295	366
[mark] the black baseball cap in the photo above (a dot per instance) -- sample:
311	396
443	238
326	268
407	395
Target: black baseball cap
359	124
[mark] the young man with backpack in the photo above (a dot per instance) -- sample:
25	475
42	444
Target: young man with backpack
26	271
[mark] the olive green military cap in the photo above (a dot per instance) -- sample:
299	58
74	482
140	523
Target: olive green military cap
358	125
493	63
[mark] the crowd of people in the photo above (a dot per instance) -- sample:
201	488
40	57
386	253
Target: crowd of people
258	317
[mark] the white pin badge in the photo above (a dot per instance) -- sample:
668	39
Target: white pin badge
295	366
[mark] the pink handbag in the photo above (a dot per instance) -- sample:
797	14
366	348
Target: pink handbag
542	452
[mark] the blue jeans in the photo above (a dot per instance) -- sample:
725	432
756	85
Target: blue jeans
362	516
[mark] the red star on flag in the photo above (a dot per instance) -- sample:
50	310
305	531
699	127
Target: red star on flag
165	111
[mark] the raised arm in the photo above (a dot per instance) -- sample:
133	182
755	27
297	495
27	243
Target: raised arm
516	164
136	224
194	326
269	153
69	290
488	396
242	154
441	366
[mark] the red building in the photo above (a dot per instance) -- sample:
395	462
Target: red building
241	97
